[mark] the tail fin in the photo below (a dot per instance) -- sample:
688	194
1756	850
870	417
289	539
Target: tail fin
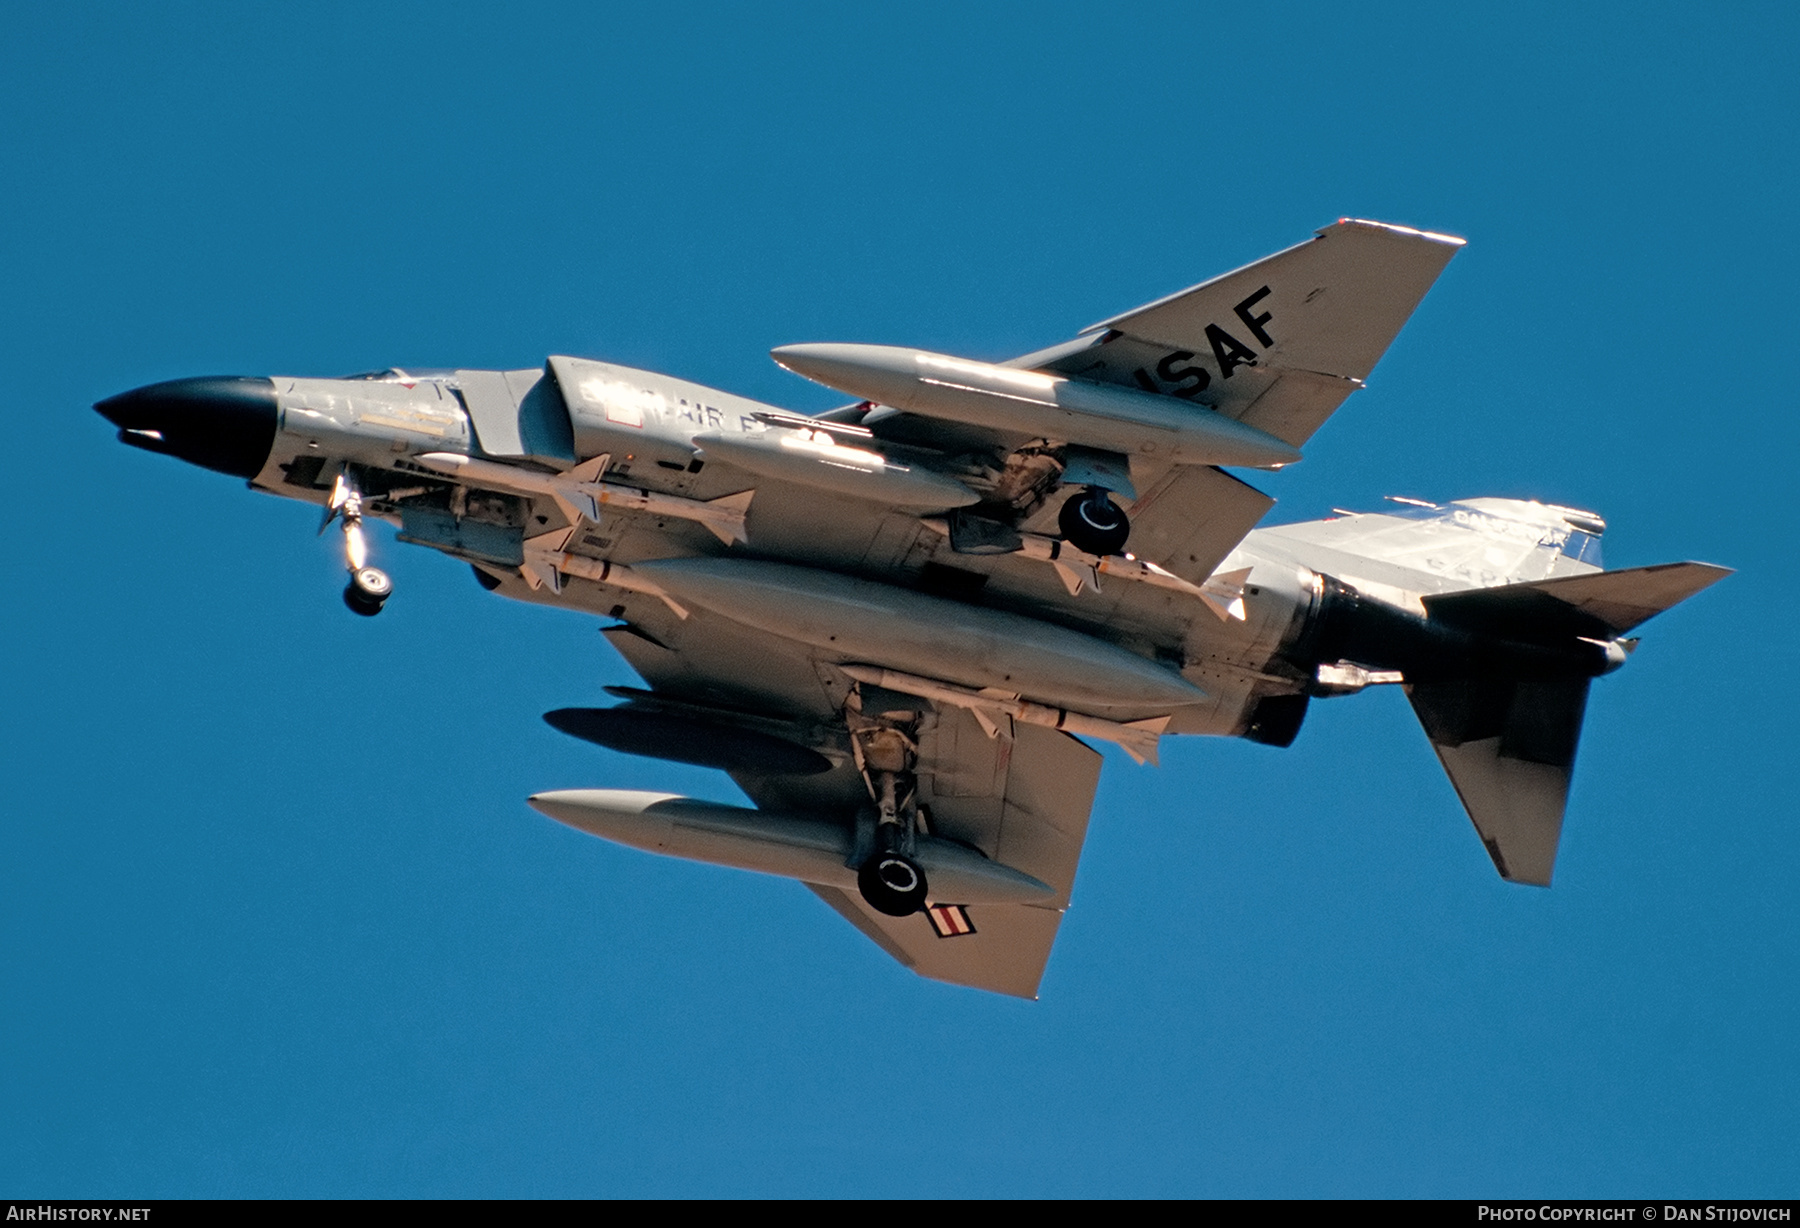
1599	604
1508	742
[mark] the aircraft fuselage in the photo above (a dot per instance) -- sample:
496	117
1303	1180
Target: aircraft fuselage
1250	655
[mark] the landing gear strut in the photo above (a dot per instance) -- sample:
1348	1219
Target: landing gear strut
1091	521
889	879
369	587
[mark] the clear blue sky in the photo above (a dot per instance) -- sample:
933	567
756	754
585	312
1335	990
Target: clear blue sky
274	918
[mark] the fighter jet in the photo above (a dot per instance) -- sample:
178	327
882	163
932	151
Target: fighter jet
899	625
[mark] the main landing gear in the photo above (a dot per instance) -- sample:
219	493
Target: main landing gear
1092	522
892	883
890	880
369	587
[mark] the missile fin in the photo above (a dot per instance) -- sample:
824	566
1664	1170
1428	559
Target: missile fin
540	567
735	507
589	470
1076	576
573	514
1140	739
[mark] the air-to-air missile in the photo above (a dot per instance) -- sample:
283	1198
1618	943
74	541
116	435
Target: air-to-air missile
581	494
811	455
991	706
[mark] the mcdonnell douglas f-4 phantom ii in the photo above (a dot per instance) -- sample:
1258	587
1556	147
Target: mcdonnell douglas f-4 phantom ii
895	623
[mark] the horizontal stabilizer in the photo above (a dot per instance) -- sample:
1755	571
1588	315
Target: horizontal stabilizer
1509	746
1508	741
1602	605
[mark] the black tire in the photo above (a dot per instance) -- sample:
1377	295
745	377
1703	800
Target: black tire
368	591
1092	522
360	604
893	884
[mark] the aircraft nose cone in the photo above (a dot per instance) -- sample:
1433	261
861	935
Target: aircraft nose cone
222	422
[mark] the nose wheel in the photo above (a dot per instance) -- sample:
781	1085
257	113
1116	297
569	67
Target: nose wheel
368	591
1092	522
369	587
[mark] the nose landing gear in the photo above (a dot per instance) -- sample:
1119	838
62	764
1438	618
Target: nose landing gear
368	590
369	587
1092	522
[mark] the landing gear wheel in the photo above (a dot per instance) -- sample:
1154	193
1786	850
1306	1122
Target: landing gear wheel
893	884
368	591
1093	522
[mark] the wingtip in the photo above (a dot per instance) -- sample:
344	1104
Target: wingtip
1431	236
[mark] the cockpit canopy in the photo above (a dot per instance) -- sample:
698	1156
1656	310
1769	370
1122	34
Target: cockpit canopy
398	375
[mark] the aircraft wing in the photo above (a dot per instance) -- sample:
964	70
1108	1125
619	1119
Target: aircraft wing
1193	517
1022	797
1277	344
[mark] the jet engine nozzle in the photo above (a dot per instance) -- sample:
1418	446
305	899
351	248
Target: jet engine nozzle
221	422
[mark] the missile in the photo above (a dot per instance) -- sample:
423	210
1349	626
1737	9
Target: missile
546	562
580	493
1222	593
811	848
896	628
813	457
1138	738
1035	403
